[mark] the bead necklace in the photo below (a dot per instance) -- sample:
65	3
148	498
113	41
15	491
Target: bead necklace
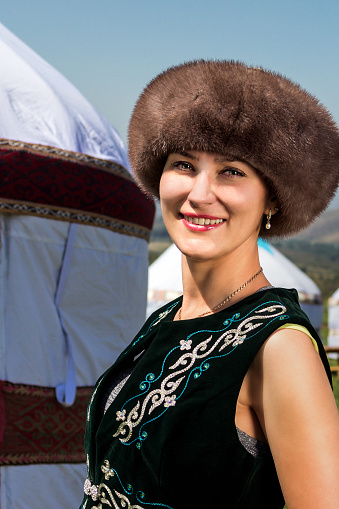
227	298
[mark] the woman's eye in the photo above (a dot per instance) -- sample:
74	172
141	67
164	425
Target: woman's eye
182	165
233	172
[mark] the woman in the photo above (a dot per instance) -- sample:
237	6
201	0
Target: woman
223	399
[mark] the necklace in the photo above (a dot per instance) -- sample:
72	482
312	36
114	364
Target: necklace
227	298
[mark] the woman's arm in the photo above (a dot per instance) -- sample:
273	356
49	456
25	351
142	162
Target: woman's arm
298	414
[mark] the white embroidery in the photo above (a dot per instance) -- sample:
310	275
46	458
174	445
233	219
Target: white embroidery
164	395
185	344
112	498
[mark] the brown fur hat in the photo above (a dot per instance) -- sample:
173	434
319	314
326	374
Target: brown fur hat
248	114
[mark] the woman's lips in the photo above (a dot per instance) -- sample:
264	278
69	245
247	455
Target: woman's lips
201	223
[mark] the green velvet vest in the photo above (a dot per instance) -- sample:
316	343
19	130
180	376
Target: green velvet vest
169	438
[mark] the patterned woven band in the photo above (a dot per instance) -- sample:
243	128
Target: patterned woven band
35	428
69	186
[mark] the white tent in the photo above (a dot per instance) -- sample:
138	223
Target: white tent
333	319
164	280
73	261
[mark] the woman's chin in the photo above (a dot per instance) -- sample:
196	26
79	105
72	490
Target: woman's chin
198	255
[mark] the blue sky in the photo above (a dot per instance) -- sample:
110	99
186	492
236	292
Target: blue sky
110	49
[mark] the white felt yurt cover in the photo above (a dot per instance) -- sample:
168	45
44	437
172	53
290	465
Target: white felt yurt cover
73	262
164	280
39	105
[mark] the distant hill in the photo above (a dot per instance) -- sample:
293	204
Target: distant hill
325	229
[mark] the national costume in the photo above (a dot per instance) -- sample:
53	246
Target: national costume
161	427
161	422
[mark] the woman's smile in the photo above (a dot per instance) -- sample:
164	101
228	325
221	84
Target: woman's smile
200	223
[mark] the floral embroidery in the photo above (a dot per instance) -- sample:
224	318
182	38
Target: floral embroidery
185	344
121	415
92	490
188	366
170	400
113	498
109	472
158	319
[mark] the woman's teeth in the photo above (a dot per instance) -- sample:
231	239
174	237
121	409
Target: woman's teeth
202	220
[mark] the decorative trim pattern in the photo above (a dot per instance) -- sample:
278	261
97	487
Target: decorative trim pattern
75	217
66	155
54	183
113	498
171	382
37	429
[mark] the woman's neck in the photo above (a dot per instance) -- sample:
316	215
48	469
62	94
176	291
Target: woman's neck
208	284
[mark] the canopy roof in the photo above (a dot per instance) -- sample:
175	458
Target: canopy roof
58	152
39	105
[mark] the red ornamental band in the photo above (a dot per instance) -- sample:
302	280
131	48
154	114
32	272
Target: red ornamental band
54	183
35	428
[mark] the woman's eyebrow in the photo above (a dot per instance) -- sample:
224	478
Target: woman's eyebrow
224	159
217	158
186	154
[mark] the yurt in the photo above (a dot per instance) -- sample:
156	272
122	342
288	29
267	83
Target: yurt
73	259
333	320
164	280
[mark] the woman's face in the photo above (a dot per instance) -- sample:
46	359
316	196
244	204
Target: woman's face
211	206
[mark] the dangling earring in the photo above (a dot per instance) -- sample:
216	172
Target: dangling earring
268	224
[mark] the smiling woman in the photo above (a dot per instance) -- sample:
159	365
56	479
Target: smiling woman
225	198
223	398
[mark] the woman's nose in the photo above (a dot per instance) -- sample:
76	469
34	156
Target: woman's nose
201	192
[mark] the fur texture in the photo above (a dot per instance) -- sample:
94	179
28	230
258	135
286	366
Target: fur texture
248	114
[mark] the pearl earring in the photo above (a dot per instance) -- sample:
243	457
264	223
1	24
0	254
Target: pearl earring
268	224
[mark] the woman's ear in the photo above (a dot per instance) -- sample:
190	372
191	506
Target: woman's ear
270	210
272	205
